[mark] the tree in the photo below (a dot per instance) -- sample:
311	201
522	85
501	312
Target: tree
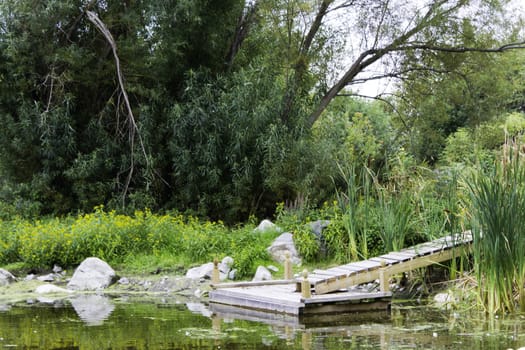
481	88
380	31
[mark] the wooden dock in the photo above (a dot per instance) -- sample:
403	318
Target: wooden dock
329	291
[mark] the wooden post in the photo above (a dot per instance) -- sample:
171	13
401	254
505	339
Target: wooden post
305	286
288	272
384	276
215	276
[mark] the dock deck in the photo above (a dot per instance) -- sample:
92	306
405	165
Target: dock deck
284	298
330	291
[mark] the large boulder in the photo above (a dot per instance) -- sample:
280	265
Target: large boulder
205	271
92	274
6	277
280	246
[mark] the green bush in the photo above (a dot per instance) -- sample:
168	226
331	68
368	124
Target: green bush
117	238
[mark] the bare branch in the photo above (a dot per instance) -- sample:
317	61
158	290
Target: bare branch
461	49
133	130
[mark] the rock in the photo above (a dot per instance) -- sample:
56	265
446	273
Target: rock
57	269
317	228
92	309
267	225
226	265
444	300
262	274
30	277
123	281
272	268
46	278
203	271
232	274
6	277
51	289
198	293
282	244
92	274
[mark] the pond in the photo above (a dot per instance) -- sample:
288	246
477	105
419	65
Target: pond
99	322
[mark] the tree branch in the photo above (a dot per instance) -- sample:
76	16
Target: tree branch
246	20
133	130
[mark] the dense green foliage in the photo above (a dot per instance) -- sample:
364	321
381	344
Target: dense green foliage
161	105
116	238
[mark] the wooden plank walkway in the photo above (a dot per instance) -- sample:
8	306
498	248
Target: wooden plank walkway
344	276
327	291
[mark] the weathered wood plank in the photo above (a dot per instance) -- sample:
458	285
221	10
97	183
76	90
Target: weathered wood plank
385	261
329	273
349	267
366	264
250	284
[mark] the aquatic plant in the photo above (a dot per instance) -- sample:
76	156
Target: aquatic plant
498	220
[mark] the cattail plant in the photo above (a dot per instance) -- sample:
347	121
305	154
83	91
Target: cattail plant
498	226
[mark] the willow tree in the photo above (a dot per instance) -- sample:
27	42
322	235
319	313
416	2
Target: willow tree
84	90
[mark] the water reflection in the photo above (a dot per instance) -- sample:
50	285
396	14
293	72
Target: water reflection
128	323
92	309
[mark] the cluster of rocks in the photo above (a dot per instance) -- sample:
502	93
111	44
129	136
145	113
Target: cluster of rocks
281	248
91	275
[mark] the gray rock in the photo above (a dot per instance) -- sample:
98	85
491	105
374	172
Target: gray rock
272	268
123	280
282	244
51	289
203	271
57	269
317	228
6	277
92	309
232	274
262	274
46	278
267	225
226	265
30	277
92	274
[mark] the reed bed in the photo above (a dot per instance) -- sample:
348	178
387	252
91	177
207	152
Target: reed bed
498	221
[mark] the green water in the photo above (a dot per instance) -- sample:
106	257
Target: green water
121	323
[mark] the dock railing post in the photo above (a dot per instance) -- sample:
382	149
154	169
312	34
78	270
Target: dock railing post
384	276
215	277
288	272
305	286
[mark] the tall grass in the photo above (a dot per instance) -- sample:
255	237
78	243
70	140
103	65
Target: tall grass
498	222
356	204
395	218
